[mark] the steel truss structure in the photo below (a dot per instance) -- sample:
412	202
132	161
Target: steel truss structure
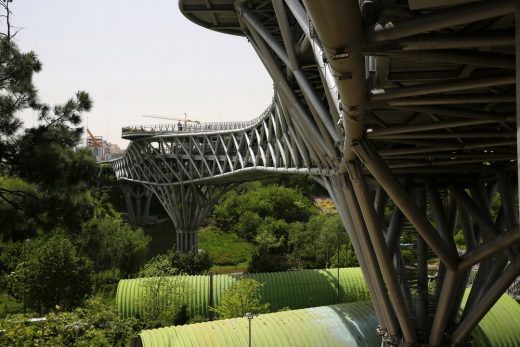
406	112
137	199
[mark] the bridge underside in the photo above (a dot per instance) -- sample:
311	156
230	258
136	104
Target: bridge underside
406	112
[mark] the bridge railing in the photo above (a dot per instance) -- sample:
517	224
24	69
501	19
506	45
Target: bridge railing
191	127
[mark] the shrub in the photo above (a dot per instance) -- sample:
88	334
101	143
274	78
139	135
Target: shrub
162	301
269	263
172	263
95	324
53	274
242	297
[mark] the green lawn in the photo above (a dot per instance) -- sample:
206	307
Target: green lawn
228	252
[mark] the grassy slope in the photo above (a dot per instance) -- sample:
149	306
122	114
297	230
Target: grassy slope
228	252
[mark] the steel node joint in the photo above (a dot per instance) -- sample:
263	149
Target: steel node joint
353	171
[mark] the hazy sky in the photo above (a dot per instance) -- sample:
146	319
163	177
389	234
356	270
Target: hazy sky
138	57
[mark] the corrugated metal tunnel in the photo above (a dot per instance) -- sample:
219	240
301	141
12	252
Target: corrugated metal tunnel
292	289
351	324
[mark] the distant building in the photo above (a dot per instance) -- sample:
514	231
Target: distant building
101	148
114	150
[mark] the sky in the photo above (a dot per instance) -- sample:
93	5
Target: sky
136	58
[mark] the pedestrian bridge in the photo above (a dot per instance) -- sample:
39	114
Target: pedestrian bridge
405	111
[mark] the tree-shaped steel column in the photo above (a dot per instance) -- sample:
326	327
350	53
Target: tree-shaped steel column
406	114
137	198
187	206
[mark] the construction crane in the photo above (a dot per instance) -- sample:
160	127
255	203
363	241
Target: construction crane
185	119
94	140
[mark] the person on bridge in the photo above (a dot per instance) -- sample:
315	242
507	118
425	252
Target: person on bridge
179	126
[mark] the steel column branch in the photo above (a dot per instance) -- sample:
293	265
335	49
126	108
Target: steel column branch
336	186
381	251
323	115
339	27
393	188
487	301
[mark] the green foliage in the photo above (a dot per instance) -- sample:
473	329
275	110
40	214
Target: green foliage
162	301
10	254
18	198
316	243
303	183
160	265
193	264
18	91
347	257
271	235
297	240
172	263
224	248
112	244
95	324
43	175
243	213
268	263
52	274
242	297
331	237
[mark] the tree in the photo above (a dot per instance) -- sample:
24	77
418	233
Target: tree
297	240
272	235
347	257
244	213
112	244
314	227
42	158
332	236
53	274
242	297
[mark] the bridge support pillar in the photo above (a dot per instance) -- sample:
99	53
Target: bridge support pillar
137	198
400	250
187	240
187	206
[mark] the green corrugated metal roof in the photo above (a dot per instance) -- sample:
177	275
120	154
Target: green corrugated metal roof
351	325
294	289
501	326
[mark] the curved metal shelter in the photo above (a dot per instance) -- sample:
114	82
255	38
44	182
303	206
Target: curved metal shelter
289	289
336	325
408	105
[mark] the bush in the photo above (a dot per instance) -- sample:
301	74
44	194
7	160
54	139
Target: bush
53	274
161	303
112	244
347	257
244	213
268	263
172	263
96	324
242	297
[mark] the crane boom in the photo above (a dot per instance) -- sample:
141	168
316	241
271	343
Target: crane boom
172	118
93	138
